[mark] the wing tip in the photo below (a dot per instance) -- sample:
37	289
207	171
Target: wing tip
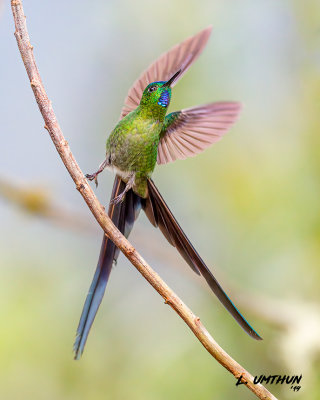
239	105
208	29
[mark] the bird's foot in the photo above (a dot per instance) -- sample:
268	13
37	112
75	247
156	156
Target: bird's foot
94	177
118	199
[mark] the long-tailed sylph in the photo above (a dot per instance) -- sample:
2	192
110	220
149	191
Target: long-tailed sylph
146	136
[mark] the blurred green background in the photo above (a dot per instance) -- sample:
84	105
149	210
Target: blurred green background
250	204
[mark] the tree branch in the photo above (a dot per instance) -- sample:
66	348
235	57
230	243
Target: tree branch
52	125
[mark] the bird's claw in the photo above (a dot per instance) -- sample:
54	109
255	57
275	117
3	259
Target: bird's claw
118	199
92	177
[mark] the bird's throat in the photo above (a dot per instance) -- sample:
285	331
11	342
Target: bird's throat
154	112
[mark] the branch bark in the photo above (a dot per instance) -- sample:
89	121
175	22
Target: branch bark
52	125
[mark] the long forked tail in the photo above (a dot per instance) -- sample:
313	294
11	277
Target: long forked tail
123	216
159	215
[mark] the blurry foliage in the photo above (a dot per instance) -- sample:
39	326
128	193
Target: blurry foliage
33	200
250	204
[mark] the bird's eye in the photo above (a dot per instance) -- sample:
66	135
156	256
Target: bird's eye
152	89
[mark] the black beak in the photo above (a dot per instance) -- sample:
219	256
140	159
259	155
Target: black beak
172	79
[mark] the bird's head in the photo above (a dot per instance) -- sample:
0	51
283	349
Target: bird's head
158	94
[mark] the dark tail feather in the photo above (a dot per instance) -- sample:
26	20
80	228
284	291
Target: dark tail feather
159	215
123	216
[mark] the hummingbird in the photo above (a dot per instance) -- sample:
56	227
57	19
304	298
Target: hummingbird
145	136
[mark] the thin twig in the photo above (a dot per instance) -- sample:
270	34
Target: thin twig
52	125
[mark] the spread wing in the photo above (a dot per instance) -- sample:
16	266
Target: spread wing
188	132
180	56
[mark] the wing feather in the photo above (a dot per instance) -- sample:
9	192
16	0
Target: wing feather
190	131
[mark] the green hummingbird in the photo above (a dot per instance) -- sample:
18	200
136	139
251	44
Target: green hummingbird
143	137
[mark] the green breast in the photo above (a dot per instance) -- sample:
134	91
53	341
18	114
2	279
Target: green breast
132	145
